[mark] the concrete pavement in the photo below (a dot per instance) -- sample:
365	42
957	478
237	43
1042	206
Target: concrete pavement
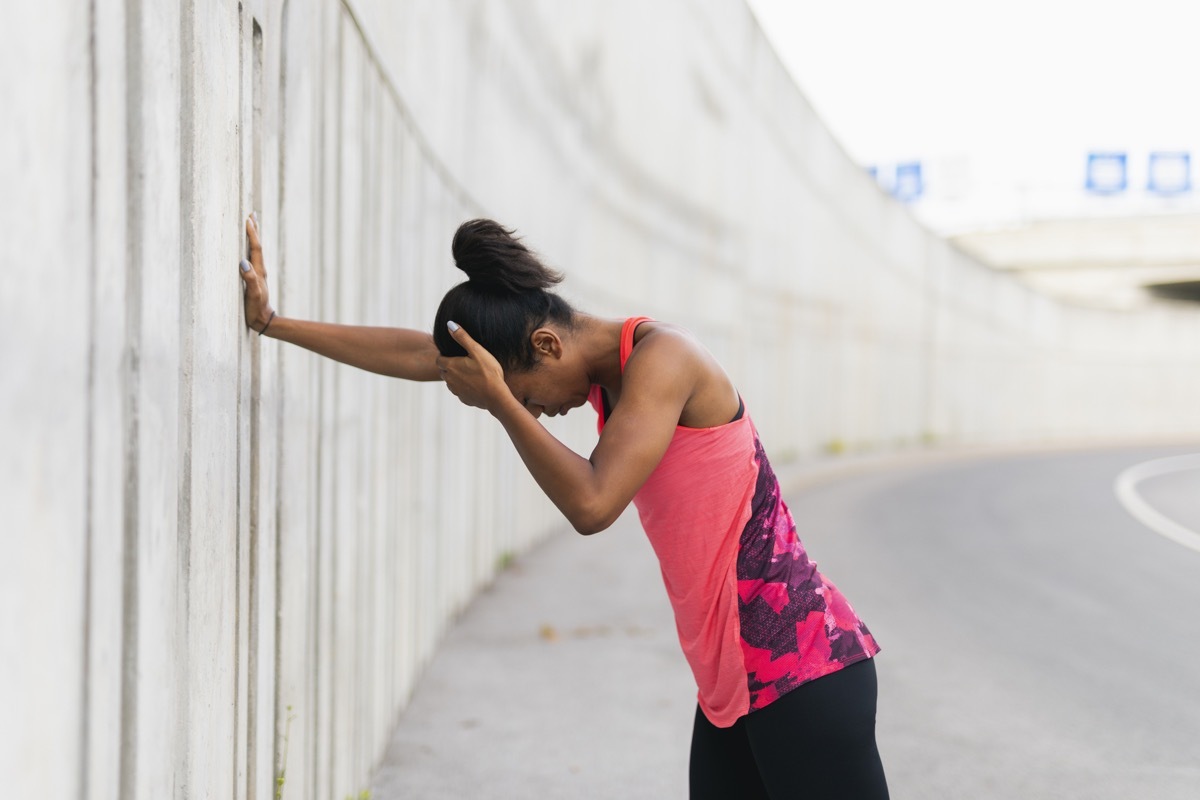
563	679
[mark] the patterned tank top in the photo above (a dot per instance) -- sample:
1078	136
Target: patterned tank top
754	616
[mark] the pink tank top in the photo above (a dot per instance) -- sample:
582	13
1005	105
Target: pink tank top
755	618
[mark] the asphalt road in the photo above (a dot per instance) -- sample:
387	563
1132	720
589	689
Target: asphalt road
1038	642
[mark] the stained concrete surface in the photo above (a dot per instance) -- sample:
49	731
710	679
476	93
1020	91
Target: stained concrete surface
563	679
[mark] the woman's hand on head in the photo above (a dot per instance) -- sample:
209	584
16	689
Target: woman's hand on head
477	379
254	280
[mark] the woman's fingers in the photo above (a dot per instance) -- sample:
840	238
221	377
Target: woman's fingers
459	334
256	256
249	276
254	280
464	379
475	377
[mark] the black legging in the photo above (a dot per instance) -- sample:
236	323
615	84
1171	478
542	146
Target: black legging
817	742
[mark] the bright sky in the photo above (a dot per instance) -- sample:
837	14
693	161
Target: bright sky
1007	81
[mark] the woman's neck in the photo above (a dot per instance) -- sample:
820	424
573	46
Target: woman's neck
599	342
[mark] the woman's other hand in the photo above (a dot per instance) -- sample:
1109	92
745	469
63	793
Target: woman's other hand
477	379
254	278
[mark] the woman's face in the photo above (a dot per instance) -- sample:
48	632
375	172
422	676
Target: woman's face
548	389
555	385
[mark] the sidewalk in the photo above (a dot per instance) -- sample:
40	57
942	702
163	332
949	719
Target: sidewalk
564	679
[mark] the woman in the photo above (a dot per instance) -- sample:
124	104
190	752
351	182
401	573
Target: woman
786	700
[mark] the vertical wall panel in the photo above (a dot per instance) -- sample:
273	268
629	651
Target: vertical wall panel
151	691
102	708
218	413
411	468
296	496
248	165
347	536
46	282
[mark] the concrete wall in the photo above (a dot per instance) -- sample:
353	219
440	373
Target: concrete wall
223	556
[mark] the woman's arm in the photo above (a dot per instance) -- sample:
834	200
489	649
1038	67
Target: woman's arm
396	352
590	492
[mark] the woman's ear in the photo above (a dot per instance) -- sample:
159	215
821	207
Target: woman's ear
546	343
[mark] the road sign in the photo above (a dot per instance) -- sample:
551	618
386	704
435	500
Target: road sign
1107	173
1169	173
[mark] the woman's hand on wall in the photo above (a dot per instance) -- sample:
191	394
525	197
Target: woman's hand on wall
254	278
396	352
477	379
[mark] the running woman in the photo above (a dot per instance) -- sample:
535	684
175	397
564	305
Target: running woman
786	683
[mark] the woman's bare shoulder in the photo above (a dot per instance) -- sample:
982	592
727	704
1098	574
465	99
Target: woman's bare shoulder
666	336
666	343
673	354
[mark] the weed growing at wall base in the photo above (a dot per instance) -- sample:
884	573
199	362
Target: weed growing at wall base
835	447
505	560
279	780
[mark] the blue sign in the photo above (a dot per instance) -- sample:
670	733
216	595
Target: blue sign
1107	173
1169	173
909	183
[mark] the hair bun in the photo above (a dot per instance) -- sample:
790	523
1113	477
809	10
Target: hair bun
492	257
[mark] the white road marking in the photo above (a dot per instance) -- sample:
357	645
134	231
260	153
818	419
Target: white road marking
1126	489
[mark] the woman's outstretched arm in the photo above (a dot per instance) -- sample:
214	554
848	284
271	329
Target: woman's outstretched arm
395	352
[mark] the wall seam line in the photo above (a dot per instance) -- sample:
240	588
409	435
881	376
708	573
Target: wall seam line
279	725
183	556
335	402
240	501
127	769
253	570
318	599
89	447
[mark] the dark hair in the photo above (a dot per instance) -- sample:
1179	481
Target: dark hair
504	298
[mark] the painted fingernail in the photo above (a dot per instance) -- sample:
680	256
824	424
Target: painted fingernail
245	265
452	325
254	216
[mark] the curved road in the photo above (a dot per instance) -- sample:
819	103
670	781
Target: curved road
1038	642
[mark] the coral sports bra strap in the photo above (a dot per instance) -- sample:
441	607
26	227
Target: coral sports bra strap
627	337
